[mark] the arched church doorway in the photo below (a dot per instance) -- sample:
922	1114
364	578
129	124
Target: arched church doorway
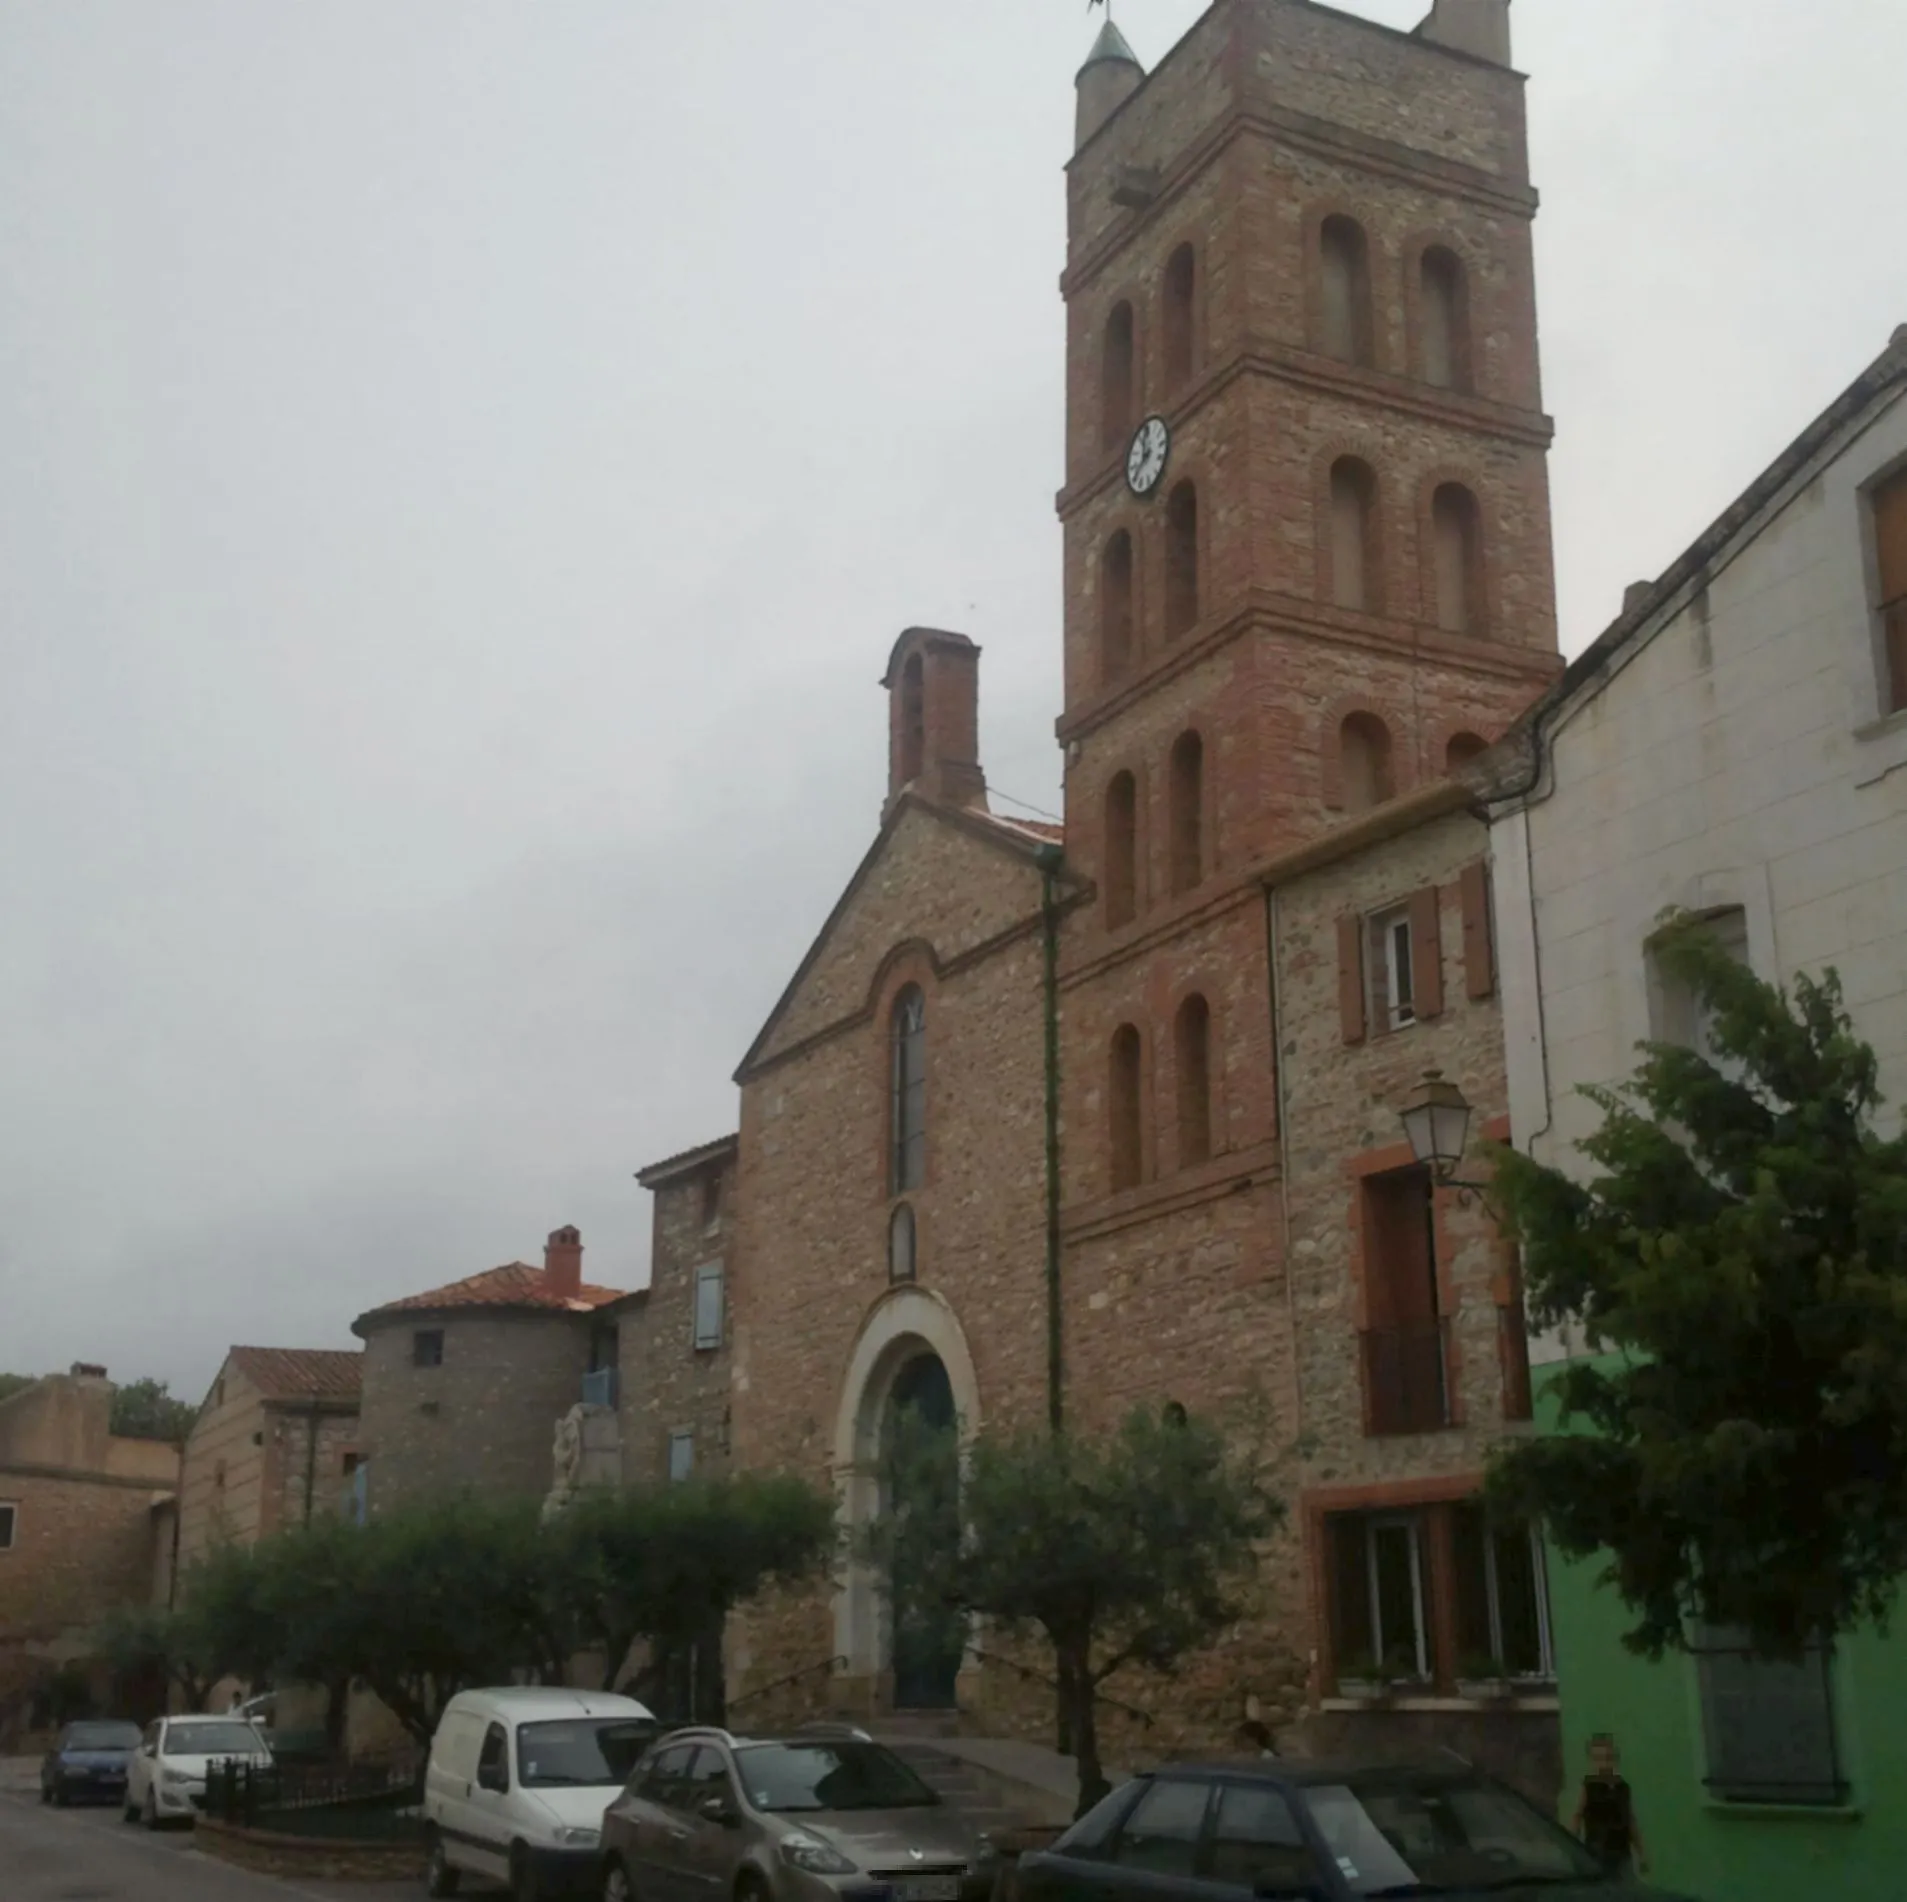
920	1479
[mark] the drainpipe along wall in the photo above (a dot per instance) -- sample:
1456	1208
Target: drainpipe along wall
1049	862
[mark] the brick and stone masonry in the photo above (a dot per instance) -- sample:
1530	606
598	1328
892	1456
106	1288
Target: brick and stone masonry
1339	592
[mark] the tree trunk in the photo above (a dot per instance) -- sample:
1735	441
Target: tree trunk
1082	1721
337	1706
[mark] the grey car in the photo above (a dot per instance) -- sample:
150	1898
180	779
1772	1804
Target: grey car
803	1816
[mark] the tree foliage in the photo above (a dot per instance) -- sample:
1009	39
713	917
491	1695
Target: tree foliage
145	1410
668	1562
1127	1548
1742	1243
151	1641
11	1384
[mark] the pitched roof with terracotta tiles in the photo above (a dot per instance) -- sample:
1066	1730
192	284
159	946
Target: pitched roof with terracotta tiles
301	1373
515	1285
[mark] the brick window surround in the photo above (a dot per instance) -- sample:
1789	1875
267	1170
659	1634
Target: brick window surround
1417	1566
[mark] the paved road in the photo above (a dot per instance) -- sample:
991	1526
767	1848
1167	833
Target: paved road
89	1855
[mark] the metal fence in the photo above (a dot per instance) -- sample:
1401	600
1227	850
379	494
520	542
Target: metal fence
356	1802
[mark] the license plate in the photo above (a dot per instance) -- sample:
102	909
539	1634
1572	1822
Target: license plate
927	1889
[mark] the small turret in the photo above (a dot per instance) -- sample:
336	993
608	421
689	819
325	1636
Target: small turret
1110	76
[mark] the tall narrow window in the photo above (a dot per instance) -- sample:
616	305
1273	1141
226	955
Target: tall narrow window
1890	548
1769	1724
1457	534
1122	1103
913	720
1364	759
1193	1052
708	1307
909	1115
1180	284
1117	361
1181	560
1354	569
900	1244
1122	851
1115	607
1345	291
1188	812
1445	305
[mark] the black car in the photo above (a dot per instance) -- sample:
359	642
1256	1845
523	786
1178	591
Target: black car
1317	1832
89	1760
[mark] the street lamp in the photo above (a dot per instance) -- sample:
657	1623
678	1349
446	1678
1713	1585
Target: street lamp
1437	1121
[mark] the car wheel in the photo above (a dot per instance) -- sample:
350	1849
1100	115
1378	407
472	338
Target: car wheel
128	1810
616	1884
439	1877
62	1796
46	1791
524	1887
751	1888
149	1811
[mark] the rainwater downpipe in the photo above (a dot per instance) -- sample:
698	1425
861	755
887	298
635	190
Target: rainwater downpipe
311	1457
1049	864
1279	1083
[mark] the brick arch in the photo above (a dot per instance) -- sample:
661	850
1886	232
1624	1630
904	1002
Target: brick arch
1384	511
1331	765
1135	299
912	961
1433	764
1195	468
1186	238
1203	984
1132	1014
1126	516
905	1323
1200	724
1316	213
1416	243
1428	484
1141	833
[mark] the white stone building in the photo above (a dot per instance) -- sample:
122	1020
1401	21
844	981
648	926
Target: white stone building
1735	744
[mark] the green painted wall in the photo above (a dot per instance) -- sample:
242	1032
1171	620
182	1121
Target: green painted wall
1733	1852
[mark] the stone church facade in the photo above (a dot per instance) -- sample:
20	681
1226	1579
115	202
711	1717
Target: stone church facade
1112	1114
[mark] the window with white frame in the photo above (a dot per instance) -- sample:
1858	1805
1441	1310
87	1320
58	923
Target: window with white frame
1677	1014
708	1307
681	1454
9	1523
1768	1723
1502	1599
1393	1000
1381	1630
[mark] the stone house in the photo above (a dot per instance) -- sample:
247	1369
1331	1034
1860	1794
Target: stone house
86	1527
463	1385
673	1336
1734	745
1036	1124
275	1443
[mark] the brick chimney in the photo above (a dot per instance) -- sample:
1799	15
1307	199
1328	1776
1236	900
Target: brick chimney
933	718
1480	28
563	1262
87	1370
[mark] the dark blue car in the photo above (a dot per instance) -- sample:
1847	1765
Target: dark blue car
1318	1832
88	1762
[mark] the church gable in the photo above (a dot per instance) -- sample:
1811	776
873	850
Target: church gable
954	882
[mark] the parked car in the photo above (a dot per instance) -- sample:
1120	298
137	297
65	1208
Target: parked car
1317	1832
165	1782
817	1815
517	1783
88	1760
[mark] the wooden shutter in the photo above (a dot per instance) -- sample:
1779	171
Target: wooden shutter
1426	955
1351	977
1890	547
1479	949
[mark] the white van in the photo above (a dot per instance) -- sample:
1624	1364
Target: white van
518	1782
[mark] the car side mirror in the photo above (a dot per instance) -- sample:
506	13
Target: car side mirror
718	1809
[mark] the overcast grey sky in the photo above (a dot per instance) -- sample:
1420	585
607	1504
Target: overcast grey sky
461	468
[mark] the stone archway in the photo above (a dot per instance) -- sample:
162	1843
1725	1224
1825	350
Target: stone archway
908	1329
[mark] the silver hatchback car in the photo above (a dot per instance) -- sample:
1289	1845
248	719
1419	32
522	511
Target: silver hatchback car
806	1816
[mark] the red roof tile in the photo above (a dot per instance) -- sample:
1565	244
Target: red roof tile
515	1285
300	1373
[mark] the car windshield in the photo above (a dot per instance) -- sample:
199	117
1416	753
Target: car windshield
213	1739
103	1737
1392	1832
580	1751
829	1776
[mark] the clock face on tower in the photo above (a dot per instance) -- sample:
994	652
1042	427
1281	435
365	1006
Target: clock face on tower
1145	460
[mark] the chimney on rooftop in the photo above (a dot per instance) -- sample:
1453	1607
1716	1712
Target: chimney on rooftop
85	1370
1480	28
563	1262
